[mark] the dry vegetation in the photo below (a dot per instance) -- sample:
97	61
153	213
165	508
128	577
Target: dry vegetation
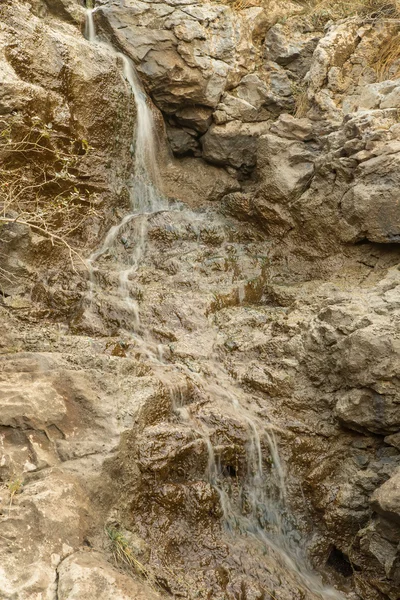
339	9
386	61
124	555
39	186
322	11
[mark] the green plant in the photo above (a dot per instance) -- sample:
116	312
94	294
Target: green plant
14	487
124	554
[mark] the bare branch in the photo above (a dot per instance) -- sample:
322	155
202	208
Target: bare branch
52	236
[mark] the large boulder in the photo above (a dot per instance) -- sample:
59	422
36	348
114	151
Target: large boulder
286	166
185	55
233	144
371	206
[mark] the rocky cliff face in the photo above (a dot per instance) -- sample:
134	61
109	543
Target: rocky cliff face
240	439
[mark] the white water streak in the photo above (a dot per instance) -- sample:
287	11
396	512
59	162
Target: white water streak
145	197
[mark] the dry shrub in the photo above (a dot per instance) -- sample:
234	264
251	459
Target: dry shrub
325	10
322	11
386	61
302	102
39	182
124	555
238	5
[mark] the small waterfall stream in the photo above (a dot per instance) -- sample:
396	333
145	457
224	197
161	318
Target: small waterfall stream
145	196
264	518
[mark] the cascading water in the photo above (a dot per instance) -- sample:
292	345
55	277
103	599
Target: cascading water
261	511
145	197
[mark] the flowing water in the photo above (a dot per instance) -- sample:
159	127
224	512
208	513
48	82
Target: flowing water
145	197
260	510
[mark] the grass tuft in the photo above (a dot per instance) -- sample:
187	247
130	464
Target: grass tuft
386	61
326	10
124	554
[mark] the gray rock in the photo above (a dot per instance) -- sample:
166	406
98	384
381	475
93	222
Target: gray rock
193	181
197	117
185	55
233	144
278	48
371	205
289	127
393	440
287	167
182	142
365	409
292	50
235	109
386	499
272	93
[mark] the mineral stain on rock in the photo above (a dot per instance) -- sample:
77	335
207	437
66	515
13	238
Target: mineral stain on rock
200	299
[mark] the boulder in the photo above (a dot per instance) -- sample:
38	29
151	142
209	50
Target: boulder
286	167
270	94
29	401
371	206
386	499
186	56
233	144
364	409
293	50
193	181
182	141
47	520
196	117
291	128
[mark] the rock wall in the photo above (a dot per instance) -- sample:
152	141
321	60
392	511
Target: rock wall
269	303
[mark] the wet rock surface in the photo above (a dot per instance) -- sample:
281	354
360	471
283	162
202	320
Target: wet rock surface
243	434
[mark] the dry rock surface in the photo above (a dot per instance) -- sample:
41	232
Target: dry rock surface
226	423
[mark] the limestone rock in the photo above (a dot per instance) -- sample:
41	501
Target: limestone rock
256	99
198	118
233	144
287	167
371	205
289	127
366	409
264	369
192	179
386	499
185	55
30	402
293	51
89	575
49	521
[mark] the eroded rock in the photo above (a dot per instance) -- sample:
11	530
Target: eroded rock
88	575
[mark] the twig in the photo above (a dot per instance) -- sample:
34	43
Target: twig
54	238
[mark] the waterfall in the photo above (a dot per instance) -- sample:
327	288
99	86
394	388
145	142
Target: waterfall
90	30
145	197
264	518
